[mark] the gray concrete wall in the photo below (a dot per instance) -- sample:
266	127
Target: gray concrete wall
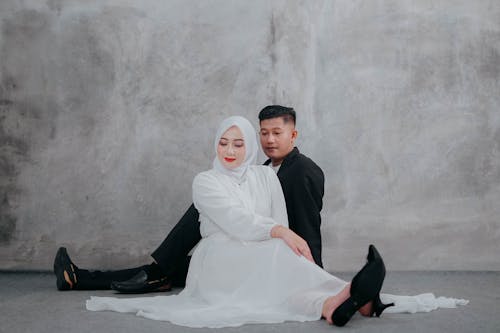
107	111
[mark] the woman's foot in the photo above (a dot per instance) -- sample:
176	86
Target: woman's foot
333	302
65	270
365	287
367	309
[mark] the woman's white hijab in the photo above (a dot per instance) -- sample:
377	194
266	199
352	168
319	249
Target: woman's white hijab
250	141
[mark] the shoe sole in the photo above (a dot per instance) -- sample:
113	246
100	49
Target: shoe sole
161	288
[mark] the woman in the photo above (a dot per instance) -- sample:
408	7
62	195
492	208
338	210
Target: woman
247	268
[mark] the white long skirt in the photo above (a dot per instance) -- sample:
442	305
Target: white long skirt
231	283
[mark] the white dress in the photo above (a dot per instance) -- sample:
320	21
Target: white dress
238	274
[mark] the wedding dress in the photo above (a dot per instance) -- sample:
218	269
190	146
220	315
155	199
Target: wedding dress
238	274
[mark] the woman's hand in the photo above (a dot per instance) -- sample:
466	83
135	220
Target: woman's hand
294	241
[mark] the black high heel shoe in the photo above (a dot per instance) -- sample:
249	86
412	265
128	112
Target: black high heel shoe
378	307
365	287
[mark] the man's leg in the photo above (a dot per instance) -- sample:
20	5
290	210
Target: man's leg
101	280
178	278
70	277
171	258
172	254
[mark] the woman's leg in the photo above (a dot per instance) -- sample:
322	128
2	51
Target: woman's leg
333	302
367	309
365	288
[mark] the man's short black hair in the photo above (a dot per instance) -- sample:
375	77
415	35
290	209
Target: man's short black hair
274	111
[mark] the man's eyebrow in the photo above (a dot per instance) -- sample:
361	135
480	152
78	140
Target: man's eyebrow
271	129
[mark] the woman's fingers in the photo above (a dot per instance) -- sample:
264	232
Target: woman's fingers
306	252
296	243
292	243
302	249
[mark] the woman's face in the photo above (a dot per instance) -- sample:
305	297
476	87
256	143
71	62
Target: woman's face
231	148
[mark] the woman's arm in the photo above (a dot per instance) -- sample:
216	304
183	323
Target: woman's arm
294	241
212	200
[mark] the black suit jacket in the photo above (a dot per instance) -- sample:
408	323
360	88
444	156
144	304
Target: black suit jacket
303	184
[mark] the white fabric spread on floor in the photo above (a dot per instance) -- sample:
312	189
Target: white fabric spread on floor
419	303
232	282
252	291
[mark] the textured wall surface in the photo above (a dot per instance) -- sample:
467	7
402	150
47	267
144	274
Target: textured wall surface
108	108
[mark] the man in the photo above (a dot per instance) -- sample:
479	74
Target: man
302	182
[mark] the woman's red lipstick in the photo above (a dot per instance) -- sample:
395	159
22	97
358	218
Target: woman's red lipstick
229	159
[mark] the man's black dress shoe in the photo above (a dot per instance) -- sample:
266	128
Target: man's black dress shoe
65	270
140	284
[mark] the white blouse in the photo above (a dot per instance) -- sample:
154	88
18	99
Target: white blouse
246	211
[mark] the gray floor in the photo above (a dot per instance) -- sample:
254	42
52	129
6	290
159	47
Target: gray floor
29	302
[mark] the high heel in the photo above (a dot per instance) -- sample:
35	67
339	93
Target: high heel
365	287
378	307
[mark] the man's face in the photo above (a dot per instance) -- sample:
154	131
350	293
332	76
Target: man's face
277	138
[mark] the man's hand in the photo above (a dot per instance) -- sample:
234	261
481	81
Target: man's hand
294	241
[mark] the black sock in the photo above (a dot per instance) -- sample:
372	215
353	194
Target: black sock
154	272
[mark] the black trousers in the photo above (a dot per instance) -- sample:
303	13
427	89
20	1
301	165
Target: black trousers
171	256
